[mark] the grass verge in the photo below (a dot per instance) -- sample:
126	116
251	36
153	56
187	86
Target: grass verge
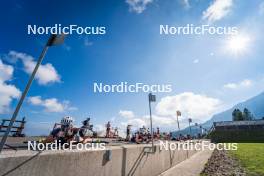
251	157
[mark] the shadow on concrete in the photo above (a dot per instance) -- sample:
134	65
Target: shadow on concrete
137	162
124	158
106	157
172	156
21	164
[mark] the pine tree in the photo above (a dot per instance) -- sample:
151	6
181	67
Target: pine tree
234	115
237	115
247	114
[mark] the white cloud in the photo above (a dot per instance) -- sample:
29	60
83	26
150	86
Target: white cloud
261	8
138	122
7	91
126	114
100	129
6	71
46	73
198	107
35	100
192	105
87	42
160	120
196	61
230	86
243	84
66	47
246	83
138	6
135	122
217	10
51	104
186	4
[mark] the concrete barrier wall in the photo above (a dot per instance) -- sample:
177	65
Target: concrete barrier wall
125	160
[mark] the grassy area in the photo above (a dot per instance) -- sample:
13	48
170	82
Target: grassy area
251	156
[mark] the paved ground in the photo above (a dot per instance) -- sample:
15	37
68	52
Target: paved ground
190	167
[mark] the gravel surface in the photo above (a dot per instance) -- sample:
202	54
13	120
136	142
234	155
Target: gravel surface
222	164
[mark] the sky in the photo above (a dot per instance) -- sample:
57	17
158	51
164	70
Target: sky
208	73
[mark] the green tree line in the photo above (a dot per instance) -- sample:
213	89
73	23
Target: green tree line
238	115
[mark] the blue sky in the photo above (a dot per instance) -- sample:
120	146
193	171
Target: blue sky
207	76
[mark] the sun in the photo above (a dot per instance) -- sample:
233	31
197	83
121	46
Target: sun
238	44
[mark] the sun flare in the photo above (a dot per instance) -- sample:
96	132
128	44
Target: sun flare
238	44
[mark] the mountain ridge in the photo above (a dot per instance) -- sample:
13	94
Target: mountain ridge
254	104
